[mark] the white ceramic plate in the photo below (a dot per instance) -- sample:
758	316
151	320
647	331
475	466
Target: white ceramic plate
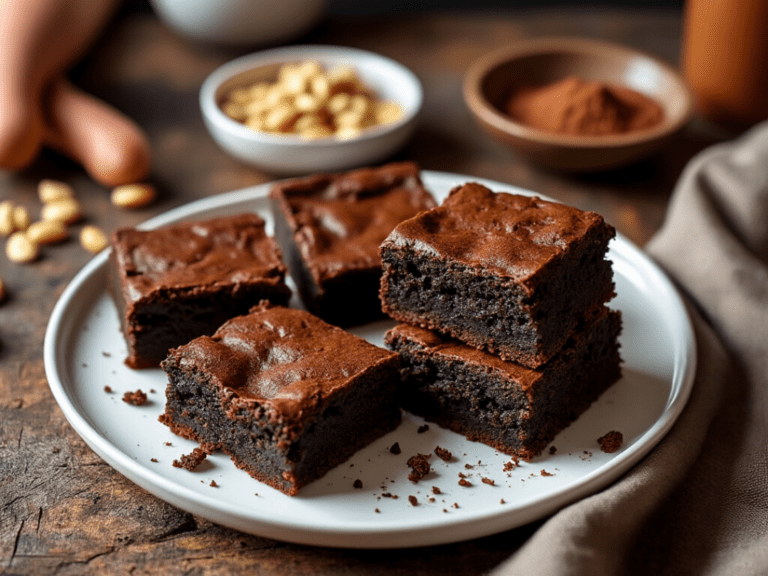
84	352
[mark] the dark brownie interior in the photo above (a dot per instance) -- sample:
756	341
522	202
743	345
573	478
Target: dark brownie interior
515	409
511	274
286	395
175	283
330	227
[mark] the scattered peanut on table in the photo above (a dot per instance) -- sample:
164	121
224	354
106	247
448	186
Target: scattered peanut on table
133	195
7	225
47	232
93	239
52	190
66	210
310	102
20	249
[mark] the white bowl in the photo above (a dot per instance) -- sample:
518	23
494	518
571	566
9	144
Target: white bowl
289	154
240	22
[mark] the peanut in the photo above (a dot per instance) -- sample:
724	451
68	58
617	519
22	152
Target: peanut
20	218
47	232
7	225
67	210
133	195
343	105
93	239
52	190
20	249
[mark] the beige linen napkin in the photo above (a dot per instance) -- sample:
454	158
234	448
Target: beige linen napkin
698	503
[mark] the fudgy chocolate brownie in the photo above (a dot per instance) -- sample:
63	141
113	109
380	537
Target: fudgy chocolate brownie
508	273
514	409
330	227
175	283
286	395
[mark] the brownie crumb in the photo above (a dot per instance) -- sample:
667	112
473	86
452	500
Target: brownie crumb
167	444
462	475
413	500
423	428
430	499
512	464
611	441
358	483
444	510
468	467
502	501
545	473
195	458
137	398
152	391
153	459
455	504
106	354
386	495
436	490
419	465
443	454
108	389
395	448
464	482
487	481
377	510
213	484
552	449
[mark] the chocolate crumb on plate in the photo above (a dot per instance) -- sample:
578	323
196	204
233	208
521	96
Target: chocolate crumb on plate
195	458
395	448
455	504
213	484
137	398
611	441
464	482
423	428
502	501
545	473
167	444
420	467
153	459
377	510
413	500
436	490
443	454
487	481
512	464
552	449
106	354
358	483
107	389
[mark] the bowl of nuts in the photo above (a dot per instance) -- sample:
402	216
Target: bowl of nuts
302	109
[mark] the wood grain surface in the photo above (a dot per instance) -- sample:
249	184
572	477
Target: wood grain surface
64	511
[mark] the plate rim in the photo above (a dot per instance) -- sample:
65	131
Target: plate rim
417	533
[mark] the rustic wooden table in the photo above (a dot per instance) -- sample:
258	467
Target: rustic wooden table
64	510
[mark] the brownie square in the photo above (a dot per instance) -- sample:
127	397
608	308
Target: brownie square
511	274
175	283
330	227
514	409
285	394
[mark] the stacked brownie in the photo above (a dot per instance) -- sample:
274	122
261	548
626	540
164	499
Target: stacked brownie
330	227
507	338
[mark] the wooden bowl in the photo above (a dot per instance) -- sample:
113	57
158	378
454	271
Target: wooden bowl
489	82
